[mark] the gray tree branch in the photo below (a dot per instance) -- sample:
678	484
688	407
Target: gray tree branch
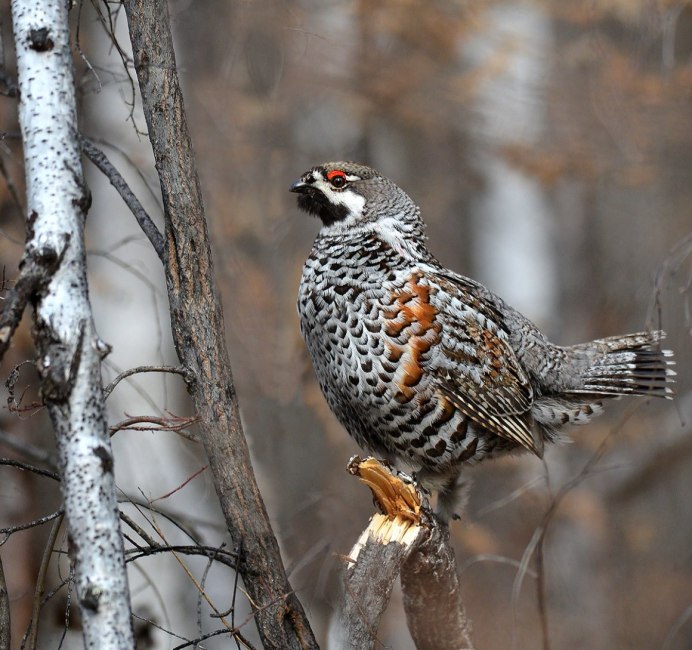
118	182
432	595
198	333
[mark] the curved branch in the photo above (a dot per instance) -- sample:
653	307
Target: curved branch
140	369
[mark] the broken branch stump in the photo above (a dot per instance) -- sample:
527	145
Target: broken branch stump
404	538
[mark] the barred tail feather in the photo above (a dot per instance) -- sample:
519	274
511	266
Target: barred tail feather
630	365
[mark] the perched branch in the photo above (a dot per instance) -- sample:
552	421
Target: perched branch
376	559
432	595
404	539
69	350
198	333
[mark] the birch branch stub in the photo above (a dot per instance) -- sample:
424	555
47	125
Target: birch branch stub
403	538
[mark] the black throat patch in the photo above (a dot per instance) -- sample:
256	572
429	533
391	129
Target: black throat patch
314	202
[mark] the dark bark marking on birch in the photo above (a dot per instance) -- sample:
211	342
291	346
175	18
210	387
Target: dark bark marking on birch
91	597
106	459
40	40
31	220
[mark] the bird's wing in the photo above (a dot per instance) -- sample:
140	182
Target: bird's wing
461	344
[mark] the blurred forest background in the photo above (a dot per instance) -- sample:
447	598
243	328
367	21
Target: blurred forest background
549	145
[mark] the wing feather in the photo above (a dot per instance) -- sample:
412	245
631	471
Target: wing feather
476	367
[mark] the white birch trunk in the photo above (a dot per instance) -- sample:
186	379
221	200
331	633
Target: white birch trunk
70	351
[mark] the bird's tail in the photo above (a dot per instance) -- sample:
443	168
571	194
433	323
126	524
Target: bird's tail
633	364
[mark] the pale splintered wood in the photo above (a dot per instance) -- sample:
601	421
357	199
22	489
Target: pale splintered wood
394	492
400	503
384	530
401	539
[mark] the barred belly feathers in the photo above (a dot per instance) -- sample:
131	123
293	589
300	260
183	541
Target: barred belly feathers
426	367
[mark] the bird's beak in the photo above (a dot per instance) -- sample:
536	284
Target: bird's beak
298	187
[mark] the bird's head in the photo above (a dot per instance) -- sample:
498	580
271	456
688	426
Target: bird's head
346	195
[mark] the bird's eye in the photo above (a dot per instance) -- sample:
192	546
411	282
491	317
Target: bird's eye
337	178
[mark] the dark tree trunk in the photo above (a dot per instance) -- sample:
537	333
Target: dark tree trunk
198	333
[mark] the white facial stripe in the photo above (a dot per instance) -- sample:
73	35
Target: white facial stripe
354	202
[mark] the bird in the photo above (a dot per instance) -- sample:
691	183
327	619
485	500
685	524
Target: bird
428	368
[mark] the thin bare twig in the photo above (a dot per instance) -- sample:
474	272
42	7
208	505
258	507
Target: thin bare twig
225	557
209	635
108	25
189	573
182	485
178	370
68	606
10	530
670	266
175	424
153	288
540	592
139	530
203	582
11	462
118	182
78	46
234	631
173	518
32	636
538	539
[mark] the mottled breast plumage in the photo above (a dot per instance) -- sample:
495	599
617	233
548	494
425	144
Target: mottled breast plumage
427	367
